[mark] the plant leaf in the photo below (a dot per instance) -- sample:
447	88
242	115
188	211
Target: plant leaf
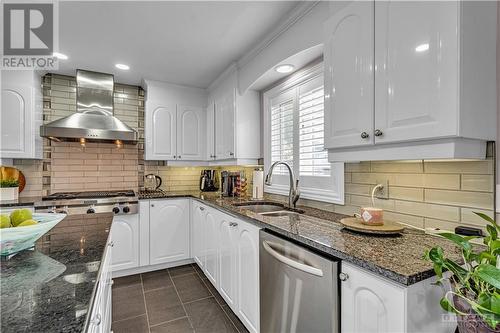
459	240
435	254
489	274
492	231
446	305
486	217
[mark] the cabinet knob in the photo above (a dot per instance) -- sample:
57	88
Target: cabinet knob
152	205
179	156
378	132
175	157
364	135
231	154
233	224
111	244
343	276
97	320
202	209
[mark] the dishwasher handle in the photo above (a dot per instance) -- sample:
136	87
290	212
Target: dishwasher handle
289	262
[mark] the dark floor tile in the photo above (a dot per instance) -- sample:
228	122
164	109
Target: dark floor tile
214	292
236	321
181	270
163	305
208	317
132	325
176	326
156	279
190	287
198	269
128	302
127	281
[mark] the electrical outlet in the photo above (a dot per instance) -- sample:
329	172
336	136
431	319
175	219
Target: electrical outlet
382	193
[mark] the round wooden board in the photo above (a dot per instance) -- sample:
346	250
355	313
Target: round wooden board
10	172
389	227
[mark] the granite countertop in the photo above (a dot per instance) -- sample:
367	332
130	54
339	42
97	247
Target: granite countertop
51	288
398	258
21	201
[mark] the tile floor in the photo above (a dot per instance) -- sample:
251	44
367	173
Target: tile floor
178	299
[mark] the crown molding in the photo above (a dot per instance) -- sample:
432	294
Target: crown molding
233	67
297	13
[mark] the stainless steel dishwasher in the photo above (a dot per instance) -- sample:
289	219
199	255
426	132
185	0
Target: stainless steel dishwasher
298	289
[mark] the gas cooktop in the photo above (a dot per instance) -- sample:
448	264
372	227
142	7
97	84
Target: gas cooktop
89	195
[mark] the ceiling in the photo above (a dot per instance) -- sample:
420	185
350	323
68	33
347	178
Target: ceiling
187	43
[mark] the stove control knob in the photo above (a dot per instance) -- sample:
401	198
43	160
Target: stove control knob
126	209
116	210
91	210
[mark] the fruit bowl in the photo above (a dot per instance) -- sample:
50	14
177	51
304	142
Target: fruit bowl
16	239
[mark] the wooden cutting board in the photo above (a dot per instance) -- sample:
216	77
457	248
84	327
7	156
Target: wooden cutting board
13	173
389	227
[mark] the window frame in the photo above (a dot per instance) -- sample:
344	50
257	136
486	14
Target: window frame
331	195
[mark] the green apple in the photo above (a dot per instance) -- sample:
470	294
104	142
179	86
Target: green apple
4	221
27	223
20	215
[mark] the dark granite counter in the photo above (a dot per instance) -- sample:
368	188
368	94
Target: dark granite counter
398	258
51	289
22	201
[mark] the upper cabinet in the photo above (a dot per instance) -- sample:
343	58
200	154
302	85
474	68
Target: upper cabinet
174	122
234	122
401	75
21	115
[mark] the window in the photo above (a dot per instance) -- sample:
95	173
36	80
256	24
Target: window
294	133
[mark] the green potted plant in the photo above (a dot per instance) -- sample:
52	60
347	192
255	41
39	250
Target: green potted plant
475	284
9	189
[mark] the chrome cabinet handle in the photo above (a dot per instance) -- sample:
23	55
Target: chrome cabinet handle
269	247
364	135
378	132
233	224
97	320
201	208
343	276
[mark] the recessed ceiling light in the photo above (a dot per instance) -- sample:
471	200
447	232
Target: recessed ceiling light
422	47
60	56
287	68
122	66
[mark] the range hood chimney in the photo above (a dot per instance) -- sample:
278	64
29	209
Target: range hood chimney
94	117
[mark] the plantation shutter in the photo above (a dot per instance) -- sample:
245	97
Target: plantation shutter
282	140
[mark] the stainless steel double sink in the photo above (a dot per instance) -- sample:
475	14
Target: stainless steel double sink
269	208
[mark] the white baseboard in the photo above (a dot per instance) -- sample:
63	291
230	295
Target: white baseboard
150	268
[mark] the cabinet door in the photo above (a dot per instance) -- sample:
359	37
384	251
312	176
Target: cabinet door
198	233
168	231
211	132
227	258
224	125
190	133
370	304
248	276
416	78
160	131
15	122
211	246
348	61
125	237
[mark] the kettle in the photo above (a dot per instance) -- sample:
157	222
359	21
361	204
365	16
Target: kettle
152	182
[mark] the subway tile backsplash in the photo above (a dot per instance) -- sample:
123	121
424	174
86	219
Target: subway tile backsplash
421	193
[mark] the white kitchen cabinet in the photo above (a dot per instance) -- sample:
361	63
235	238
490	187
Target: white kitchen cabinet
101	313
168	230
348	59
198	213
125	238
21	115
161	131
248	276
236	134
373	304
175	122
227	258
190	133
211	245
429	92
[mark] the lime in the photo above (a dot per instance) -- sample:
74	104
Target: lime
20	215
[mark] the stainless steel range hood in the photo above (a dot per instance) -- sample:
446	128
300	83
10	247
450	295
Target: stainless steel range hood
94	113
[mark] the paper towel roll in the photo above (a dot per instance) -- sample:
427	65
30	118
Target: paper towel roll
258	184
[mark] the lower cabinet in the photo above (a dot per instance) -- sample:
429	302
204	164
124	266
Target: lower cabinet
168	230
125	238
100	315
230	253
373	304
197	233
